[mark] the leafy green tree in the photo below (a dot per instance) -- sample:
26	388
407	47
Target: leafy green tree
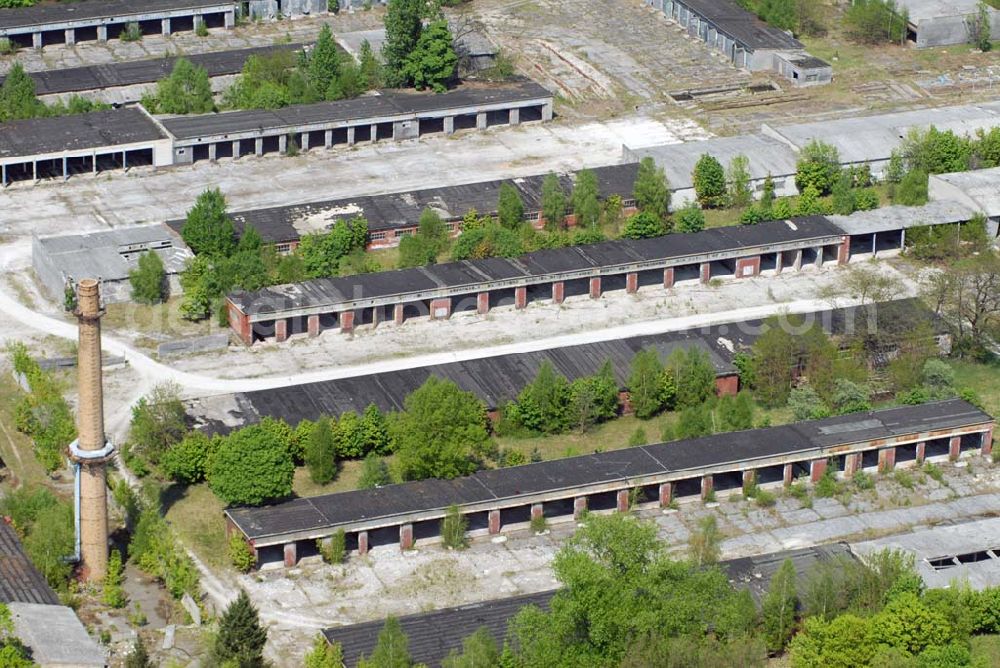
694	421
186	91
112	594
809	203
849	397
735	413
693	374
432	62
50	540
251	466
586	199
774	354
187	462
208	228
510	208
391	649
844	197
643	225
349	437
650	387
875	21
912	189
149	279
690	218
544	405
778	607
374	472
478	651
709	181
375	430
907	624
403	27
806	404
158	422
441	432
593	399
782	14
323	253
324	654
818	166
320	458
17	96
241	638
324	62
934	151
424	246
844	642
767	193
491	240
651	190
553	203
369	67
738	188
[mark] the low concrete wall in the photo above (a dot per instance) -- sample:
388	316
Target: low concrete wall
201	344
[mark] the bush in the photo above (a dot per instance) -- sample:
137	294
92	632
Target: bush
544	405
453	528
818	166
765	499
690	218
538	523
863	481
912	190
201	30
334	549
643	225
251	467
849	397
874	21
319	453
7	46
132	32
374	472
187	462
827	486
112	593
240	554
709	181
155	551
866	199
934	472
651	388
806	404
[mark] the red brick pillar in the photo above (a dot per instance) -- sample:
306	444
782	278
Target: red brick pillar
852	464
362	543
537	510
816	469
666	494
291	555
398	312
886	460
622	500
668	277
483	303
986	448
748	267
749	479
954	448
632	283
346	321
579	506
921	452
705	271
844	251
240	323
312	325
706	487
558	292
281	330
494	521
441	308
405	536
787	476
520	297
595	287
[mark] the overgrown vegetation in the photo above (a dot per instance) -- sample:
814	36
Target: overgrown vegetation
41	413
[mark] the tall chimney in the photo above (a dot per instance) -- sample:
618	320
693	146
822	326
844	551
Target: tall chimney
91	452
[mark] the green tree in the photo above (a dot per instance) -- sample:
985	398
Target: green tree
643	225
694	421
586	199
650	387
651	190
510	208
158	422
17	96
778	607
806	404
441	432
241	638
593	399
934	151
912	189
112	594
844	197
844	642
187	462
693	374
709	181
544	404
690	218
782	14
424	246
704	543
774	354
324	62
348	436
391	649
375	430
324	654
478	651
403	27
186	91
320	457
767	193
432	62
374	472
735	413
208	228
818	166
369	67
50	541
738	182
907	624
849	397
553	203
149	279
491	240
241	555
251	466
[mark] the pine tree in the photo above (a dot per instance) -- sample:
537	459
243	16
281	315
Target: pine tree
553	203
432	62
646	386
324	654
391	650
148	279
241	637
651	190
544	404
403	26
319	453
17	96
778	607
510	208
586	202
369	68
324	62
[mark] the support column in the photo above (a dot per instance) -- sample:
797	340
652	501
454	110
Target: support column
291	555
547	111
36	40
125	160
405	536
283	144
449	125
621	500
520	297
668	277
102	33
706	487
236	149
281	330
844	250
346	321
312	325
537	510
65	170
819	257
34	170
328	139
749	480
579	506
705	272
798	260
787	475
595	287
229	19
305	141
816	469
212	153
3	175
886	460
515	117
258	146
481	120
350	136
398	313
70	36
199	20
494	522
374	133
558	292
954	448
632	283
778	262
986	445
666	494
921	452
362	543
165	26
441	308
93	163
377	313
852	464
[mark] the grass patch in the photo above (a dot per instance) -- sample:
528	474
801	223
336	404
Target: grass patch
195	514
982	378
161	321
348	474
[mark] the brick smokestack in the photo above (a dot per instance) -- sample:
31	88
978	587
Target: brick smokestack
91	452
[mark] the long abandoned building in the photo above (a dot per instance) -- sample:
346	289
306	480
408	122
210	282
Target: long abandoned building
553	275
58	147
646	476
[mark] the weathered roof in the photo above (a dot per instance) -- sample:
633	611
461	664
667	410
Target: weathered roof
61	12
112	254
919	11
94	130
980	187
269	524
55	636
897	217
20	581
742	25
